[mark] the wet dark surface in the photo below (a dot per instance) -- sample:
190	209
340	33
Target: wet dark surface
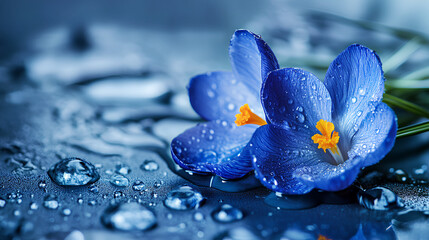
98	93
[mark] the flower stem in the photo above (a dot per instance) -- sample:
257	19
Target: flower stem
406	105
412	130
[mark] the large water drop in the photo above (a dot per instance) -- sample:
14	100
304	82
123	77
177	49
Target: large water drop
119	180
73	172
128	217
379	198
184	198
149	165
227	213
50	202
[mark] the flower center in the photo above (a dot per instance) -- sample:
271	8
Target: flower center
328	139
246	116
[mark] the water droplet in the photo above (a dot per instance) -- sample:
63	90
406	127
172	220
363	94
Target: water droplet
300	117
239	233
66	212
361	91
379	198
75	235
92	202
80	200
401	176
231	107
421	170
359	113
149	165
210	93
158	184
209	156
198	216
138	186
73	172
34	206
296	233
227	213
118	194
2	203
290	101
42	185
128	217
122	168
299	109
93	189
50	202
119	180
354	99
184	198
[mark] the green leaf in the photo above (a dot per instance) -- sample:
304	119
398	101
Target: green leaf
404	104
408	84
373	26
421	73
412	130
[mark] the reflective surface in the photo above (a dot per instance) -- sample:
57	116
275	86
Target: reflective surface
109	87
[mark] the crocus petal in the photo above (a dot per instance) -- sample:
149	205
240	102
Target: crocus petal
329	177
376	135
277	153
251	59
214	147
294	98
217	95
356	84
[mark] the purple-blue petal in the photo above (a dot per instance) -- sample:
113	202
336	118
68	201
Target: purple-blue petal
376	135
251	59
294	98
214	147
218	95
277	153
356	84
329	177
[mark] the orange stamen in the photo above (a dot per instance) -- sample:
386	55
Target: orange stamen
246	116
321	237
329	138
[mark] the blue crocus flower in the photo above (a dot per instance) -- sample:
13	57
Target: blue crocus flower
216	146
320	134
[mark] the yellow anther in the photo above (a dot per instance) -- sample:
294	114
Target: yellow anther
329	138
246	116
321	237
